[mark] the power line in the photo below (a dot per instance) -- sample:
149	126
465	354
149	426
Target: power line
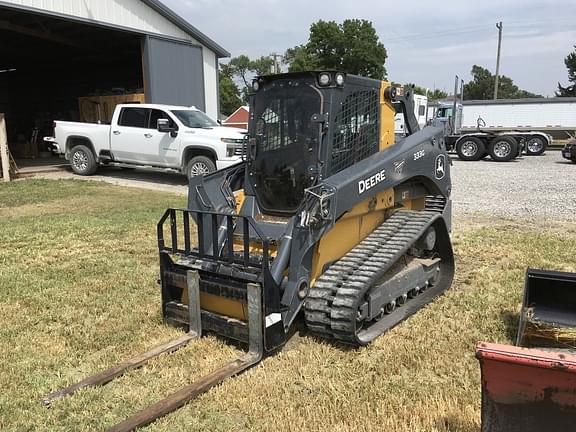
476	29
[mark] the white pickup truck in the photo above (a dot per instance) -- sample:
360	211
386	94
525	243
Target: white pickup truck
174	138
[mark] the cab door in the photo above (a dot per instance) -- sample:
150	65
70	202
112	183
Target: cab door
136	138
163	146
127	139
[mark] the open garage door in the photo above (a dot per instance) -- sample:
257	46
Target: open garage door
169	62
50	65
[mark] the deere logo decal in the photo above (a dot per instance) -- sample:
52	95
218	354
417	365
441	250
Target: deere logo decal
399	166
370	182
440	166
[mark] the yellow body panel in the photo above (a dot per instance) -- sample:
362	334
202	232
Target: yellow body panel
387	114
224	306
220	305
415	204
350	230
239	197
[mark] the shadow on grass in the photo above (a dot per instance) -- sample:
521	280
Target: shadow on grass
452	423
510	320
299	331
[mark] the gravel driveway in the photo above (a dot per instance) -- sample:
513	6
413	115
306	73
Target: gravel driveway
534	187
531	187
138	178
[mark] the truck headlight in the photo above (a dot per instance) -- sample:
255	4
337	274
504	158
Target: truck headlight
232	140
233	146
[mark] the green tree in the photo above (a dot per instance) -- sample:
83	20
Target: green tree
437	94
570	89
242	70
299	59
482	86
352	47
262	65
229	92
415	88
432	95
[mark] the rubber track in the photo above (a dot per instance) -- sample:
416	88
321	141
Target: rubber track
435	203
332	304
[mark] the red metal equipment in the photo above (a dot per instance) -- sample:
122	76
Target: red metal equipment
527	390
534	389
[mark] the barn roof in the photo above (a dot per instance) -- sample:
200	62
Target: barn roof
177	20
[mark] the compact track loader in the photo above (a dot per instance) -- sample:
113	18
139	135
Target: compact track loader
327	219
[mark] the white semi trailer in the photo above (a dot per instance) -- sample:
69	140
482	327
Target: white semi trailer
542	114
502	128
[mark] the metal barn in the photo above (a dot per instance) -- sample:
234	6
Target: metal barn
60	59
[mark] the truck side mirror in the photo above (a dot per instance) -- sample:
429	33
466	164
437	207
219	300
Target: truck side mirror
163	125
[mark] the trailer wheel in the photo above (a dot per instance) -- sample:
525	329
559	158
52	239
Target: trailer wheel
199	166
503	148
470	148
535	145
82	160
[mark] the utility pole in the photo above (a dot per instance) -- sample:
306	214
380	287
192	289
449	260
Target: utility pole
499	27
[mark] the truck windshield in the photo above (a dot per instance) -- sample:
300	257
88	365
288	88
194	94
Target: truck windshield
444	112
286	143
194	119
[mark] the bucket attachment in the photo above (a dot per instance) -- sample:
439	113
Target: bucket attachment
527	390
548	316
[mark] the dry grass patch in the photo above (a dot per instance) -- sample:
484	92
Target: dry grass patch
78	293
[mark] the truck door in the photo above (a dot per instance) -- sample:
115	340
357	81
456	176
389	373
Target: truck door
161	147
128	139
136	139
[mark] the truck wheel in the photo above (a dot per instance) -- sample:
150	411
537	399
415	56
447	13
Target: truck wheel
503	149
535	145
199	166
470	148
82	160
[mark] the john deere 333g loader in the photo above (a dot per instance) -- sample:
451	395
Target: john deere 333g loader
327	218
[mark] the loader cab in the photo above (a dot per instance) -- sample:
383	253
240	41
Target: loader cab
304	127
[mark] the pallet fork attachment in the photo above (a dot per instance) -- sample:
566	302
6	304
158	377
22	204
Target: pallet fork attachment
191	391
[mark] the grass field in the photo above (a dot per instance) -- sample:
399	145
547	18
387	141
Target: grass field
78	293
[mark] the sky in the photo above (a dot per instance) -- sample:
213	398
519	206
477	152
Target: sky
428	42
